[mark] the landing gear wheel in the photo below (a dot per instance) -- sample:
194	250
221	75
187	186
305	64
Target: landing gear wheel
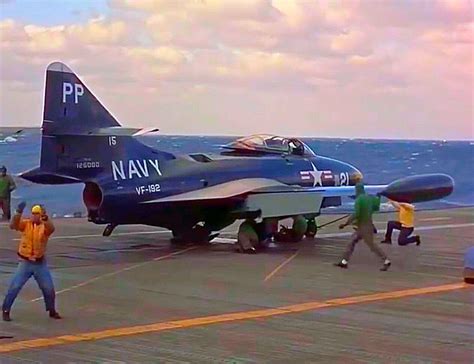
201	235
312	229
108	229
178	238
197	235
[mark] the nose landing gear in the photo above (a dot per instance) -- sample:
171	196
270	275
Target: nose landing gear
109	229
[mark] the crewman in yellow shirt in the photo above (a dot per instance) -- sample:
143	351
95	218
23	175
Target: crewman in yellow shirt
405	223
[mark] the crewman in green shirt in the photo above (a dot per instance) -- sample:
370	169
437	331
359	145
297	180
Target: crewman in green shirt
7	185
364	207
247	238
295	233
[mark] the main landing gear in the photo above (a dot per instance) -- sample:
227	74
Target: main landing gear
197	235
253	236
312	228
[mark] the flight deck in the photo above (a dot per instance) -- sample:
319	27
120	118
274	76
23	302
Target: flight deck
133	297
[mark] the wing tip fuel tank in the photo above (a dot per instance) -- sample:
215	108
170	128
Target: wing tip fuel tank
420	188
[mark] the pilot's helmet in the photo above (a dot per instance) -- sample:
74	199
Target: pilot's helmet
358	177
296	147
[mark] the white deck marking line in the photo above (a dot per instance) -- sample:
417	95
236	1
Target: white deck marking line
338	235
437	218
228	240
101	236
125	250
224	240
110	274
419	228
447	226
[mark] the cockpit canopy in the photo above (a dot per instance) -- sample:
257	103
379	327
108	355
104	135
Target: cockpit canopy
272	144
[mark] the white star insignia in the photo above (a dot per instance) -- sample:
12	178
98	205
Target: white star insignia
316	176
314	173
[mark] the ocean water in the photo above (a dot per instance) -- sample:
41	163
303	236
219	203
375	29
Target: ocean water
381	161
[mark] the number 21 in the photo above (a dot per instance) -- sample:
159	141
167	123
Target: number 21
344	178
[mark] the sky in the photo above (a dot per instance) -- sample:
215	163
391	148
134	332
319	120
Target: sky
353	69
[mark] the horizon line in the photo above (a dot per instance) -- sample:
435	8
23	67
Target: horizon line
293	136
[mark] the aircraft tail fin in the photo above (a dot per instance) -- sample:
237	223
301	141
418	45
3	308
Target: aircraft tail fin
69	106
80	138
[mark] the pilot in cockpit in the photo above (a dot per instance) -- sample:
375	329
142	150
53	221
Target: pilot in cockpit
296	147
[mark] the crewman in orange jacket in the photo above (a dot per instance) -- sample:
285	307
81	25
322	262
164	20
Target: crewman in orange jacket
32	262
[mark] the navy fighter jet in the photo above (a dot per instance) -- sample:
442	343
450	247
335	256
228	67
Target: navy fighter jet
195	195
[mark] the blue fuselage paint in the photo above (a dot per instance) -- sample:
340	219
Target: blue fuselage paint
126	190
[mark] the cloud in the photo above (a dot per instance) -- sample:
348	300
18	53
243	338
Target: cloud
260	63
410	14
159	54
461	33
98	31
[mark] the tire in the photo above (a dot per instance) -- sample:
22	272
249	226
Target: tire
312	229
196	235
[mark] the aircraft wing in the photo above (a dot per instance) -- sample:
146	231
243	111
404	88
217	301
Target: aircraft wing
225	190
271	198
261	186
267	197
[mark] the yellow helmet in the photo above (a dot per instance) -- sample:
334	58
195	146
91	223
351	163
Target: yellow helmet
36	209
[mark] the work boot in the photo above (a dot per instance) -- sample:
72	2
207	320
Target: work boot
341	264
6	316
386	265
55	315
418	240
251	250
385	241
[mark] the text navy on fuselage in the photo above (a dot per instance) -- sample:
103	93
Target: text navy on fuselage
131	169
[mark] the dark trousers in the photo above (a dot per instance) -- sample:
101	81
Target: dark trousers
24	272
365	233
404	238
5	206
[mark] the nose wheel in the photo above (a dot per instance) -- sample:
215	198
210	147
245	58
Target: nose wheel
109	229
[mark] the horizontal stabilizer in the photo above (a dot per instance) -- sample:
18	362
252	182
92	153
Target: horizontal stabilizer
109	131
36	175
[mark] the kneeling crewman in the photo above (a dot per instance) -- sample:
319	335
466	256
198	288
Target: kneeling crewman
247	237
296	233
